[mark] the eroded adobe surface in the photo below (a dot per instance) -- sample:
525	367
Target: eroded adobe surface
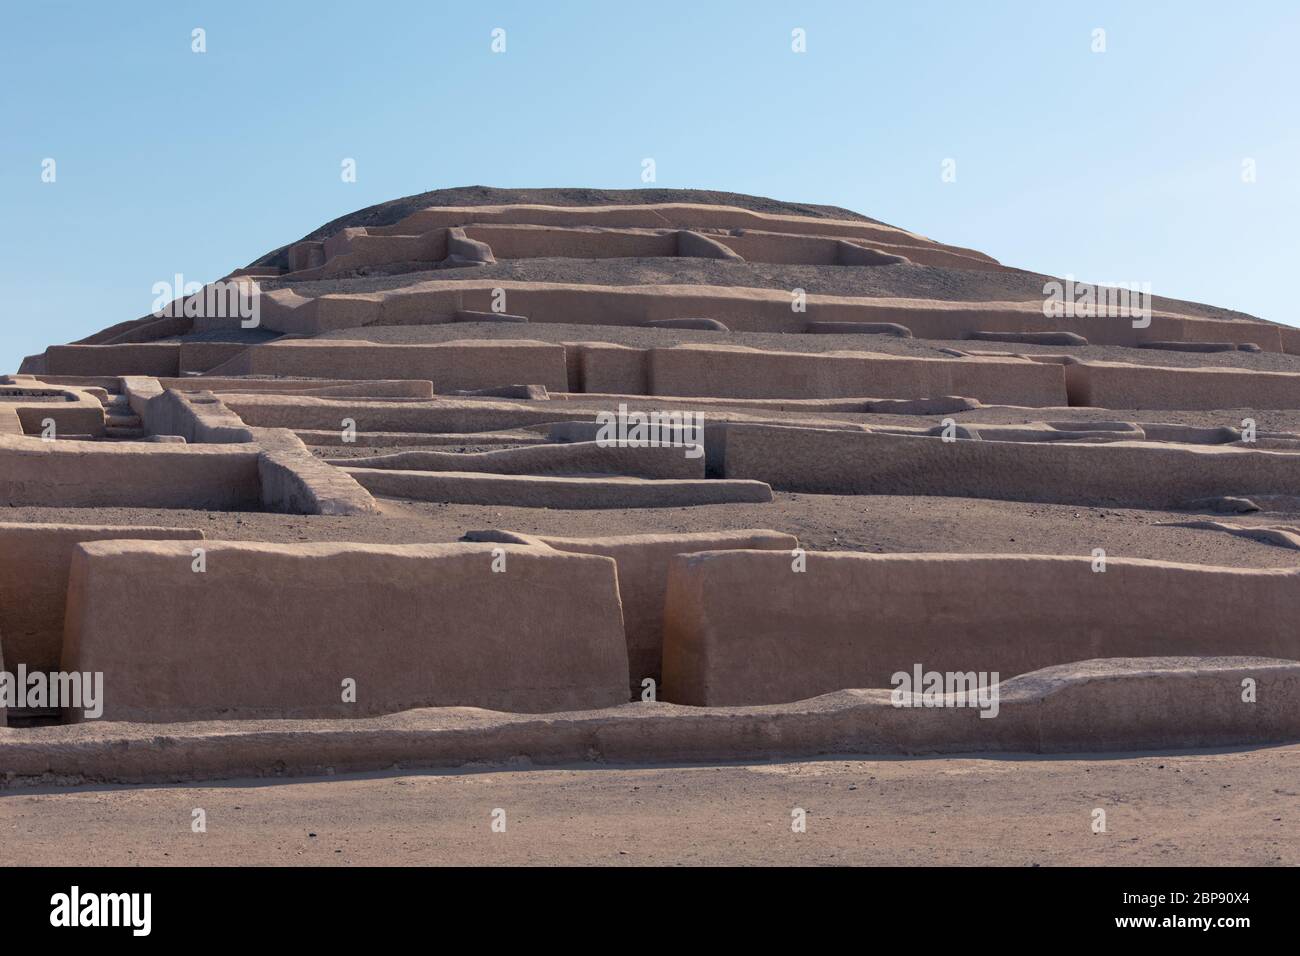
645	475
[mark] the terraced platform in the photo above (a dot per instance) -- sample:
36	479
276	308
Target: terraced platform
646	477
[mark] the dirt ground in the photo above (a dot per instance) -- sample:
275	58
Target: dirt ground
875	523
1191	808
639	337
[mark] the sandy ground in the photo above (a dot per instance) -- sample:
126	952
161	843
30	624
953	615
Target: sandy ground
641	337
1187	808
873	523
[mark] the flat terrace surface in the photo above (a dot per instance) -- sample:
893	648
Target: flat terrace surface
904	281
874	523
1189	808
639	337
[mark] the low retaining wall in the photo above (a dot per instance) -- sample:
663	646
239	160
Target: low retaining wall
740	308
202	356
520	241
730	372
448	365
319	387
357	247
757	246
294	481
198	417
34	561
412	625
1290	339
81	474
1122	473
441	416
643	578
575	458
145	358
534	491
744	373
1096	706
582	242
291	479
664	215
334	439
74	411
1115	385
608	368
742	627
152	358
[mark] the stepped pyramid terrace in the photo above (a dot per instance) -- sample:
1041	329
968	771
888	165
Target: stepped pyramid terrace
483	475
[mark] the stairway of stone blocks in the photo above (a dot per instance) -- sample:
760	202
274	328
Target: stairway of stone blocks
611	463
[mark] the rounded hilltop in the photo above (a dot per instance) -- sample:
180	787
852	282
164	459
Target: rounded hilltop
394	210
940	272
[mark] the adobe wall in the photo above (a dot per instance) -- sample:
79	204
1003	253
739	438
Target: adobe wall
741	309
643	579
460	364
756	246
413	625
202	356
1123	705
742	628
34	562
1290	340
610	368
290	478
734	372
319	387
152	358
306	254
73	382
697	245
557	491
355	248
31	402
793	250
594	242
282	310
294	481
86	474
1122	473
198	417
532	242
327	439
443	415
1116	385
662	215
575	458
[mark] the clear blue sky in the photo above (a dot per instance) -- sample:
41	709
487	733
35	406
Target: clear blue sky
1119	166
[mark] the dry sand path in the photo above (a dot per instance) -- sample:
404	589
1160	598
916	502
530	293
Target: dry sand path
1187	808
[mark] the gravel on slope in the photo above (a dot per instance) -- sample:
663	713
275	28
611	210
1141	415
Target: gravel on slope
901	281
